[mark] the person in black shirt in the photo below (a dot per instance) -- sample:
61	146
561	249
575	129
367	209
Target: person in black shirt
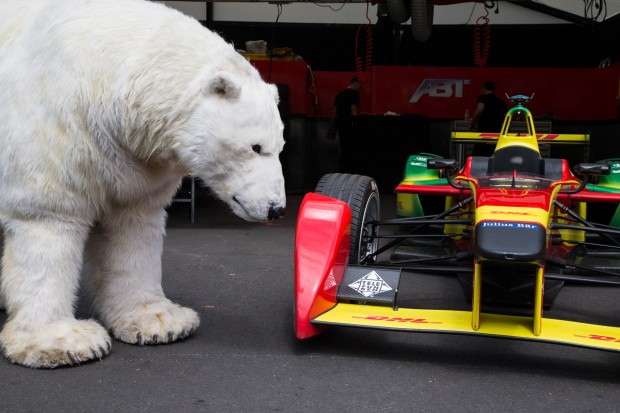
490	110
345	108
488	116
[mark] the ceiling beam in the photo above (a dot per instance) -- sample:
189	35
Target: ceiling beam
527	4
550	11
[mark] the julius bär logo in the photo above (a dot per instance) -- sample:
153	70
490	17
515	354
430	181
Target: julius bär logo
508	225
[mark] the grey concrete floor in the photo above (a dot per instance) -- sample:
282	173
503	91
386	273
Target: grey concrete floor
244	357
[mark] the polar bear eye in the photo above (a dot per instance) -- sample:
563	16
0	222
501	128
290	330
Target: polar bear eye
256	148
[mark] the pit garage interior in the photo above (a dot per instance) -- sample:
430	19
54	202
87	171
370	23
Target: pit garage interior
420	79
422	73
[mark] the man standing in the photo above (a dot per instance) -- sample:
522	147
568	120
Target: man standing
345	108
490	110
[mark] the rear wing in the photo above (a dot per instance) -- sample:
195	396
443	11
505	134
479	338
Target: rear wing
462	140
543	138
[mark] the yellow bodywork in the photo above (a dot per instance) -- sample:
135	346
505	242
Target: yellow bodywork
449	321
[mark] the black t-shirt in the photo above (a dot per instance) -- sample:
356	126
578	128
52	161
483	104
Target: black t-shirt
343	102
492	117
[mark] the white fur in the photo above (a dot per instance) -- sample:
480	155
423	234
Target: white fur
106	104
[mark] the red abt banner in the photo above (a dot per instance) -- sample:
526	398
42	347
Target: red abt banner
578	94
442	92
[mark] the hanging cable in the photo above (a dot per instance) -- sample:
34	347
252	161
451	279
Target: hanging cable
482	39
362	69
330	7
471	13
311	89
273	40
367	9
595	9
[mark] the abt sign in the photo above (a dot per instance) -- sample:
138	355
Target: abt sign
440	88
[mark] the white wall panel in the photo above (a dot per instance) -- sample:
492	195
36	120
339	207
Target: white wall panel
354	13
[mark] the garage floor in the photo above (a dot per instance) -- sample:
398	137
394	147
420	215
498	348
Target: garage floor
244	357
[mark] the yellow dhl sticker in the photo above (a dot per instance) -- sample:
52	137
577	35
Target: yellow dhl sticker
460	322
547	137
537	215
396	319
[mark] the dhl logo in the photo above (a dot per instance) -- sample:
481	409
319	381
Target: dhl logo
398	319
504	212
489	135
599	337
509	213
546	138
539	136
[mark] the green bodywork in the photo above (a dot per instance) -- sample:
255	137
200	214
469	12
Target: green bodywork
416	173
610	184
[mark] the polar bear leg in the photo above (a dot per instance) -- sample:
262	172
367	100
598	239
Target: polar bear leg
124	262
40	276
2	305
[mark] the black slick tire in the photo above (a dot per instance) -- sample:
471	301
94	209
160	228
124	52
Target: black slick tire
361	194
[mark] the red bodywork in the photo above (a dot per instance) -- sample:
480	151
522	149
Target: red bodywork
584	195
320	258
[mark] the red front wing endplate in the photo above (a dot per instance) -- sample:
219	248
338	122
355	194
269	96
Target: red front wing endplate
321	252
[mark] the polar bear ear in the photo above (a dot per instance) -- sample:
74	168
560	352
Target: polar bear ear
223	84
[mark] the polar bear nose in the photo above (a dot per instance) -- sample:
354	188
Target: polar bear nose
275	212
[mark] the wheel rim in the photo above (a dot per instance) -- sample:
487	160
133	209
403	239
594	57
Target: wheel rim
368	241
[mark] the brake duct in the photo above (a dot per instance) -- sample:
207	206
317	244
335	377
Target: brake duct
420	12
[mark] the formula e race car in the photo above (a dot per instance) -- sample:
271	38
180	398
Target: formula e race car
512	232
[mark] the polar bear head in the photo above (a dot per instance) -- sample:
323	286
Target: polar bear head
232	141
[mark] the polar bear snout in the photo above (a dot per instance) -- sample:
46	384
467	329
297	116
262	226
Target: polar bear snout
257	211
275	212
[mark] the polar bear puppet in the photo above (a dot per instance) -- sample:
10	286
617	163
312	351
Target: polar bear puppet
106	105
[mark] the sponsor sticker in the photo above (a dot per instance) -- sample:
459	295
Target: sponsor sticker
486	224
330	282
397	319
370	285
440	88
321	214
599	337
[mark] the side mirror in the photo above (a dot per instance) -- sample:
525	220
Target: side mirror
592	169
587	169
443	164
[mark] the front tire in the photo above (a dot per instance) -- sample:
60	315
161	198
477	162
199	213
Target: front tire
362	195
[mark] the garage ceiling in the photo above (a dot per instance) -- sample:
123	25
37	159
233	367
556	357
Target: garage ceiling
583	12
586	12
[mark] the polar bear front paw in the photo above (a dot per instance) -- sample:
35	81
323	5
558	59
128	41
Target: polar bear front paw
155	323
64	342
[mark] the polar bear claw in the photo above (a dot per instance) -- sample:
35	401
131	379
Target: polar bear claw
63	342
155	323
